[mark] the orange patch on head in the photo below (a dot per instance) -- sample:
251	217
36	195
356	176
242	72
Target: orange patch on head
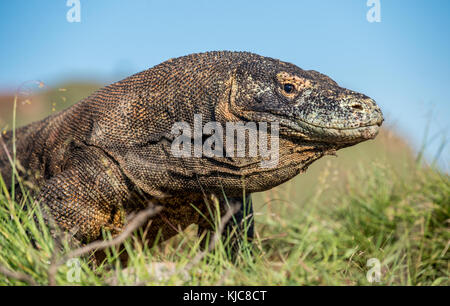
299	82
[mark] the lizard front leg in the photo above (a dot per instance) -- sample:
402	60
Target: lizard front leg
86	197
240	226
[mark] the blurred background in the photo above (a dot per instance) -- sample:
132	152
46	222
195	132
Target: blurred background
402	61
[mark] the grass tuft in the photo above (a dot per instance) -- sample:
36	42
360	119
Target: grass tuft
401	221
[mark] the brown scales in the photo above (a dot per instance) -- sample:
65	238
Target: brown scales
109	155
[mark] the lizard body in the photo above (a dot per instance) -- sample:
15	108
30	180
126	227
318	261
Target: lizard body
104	157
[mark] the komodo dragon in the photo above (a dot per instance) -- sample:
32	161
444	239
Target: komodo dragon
106	156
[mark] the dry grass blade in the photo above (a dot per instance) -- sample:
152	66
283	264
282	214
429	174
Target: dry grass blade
134	224
19	276
218	233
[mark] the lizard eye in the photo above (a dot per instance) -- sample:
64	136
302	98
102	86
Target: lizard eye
288	88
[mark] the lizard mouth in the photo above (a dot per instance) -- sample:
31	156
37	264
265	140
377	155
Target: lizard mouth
324	134
333	134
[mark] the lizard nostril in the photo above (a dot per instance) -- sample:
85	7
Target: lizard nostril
357	107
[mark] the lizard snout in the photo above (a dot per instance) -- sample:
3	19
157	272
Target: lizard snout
364	111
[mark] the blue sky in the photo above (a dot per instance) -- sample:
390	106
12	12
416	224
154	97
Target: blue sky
402	62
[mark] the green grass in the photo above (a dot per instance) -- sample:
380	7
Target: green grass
400	219
321	228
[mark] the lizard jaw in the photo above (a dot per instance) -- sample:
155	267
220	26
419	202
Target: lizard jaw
311	132
336	135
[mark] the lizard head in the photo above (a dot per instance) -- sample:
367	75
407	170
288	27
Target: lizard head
307	104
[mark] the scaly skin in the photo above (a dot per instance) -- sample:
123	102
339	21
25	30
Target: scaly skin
109	154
